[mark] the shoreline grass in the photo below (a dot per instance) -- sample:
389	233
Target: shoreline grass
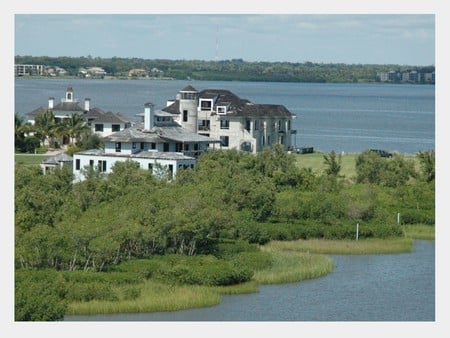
155	297
291	266
293	261
345	247
419	231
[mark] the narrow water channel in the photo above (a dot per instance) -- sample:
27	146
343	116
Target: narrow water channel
397	287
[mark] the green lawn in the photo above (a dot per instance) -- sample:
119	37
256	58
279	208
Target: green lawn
315	161
28	159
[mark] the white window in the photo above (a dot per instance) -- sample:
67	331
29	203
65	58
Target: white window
205	105
221	110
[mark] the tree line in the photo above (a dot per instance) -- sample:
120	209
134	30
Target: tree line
235	69
229	195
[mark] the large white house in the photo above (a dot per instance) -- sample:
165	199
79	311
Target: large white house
157	144
102	123
238	123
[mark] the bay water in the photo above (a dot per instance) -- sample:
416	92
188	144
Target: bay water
344	117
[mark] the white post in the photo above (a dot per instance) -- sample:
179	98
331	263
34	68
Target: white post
398	218
357	231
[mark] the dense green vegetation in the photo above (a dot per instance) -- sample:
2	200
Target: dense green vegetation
226	70
108	240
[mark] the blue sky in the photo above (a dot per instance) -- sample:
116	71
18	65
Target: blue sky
407	39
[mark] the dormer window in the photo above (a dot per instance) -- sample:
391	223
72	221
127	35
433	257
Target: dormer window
221	110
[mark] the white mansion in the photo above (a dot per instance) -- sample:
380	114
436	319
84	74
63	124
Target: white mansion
237	123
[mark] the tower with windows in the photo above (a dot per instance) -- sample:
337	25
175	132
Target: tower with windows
188	108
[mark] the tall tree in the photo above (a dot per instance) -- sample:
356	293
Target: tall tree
74	127
46	127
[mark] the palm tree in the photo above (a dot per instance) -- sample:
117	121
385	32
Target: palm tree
46	127
74	127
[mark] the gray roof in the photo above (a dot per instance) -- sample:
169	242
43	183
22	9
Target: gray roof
160	134
141	154
262	110
134	134
174	108
179	134
98	115
57	159
37	111
235	105
189	88
68	107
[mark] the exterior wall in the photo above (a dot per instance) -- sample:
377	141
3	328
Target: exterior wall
267	134
107	128
84	162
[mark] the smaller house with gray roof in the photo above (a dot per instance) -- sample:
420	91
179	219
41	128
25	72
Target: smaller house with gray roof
101	123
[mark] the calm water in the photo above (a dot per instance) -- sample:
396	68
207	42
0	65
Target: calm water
398	287
340	117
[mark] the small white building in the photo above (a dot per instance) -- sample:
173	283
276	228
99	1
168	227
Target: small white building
53	162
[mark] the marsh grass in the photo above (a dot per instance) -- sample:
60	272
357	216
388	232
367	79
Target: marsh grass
419	231
154	297
292	266
342	247
292	261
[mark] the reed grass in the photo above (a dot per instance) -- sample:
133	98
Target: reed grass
154	297
345	247
292	266
293	261
419	231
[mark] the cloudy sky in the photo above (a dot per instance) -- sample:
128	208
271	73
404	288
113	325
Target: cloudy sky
407	39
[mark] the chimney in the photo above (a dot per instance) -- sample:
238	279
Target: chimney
87	104
51	100
148	116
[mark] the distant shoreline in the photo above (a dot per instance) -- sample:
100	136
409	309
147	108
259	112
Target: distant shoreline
125	78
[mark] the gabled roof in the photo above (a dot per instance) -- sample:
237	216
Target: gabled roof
158	135
37	111
235	105
262	110
134	134
57	159
98	115
68	107
174	108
